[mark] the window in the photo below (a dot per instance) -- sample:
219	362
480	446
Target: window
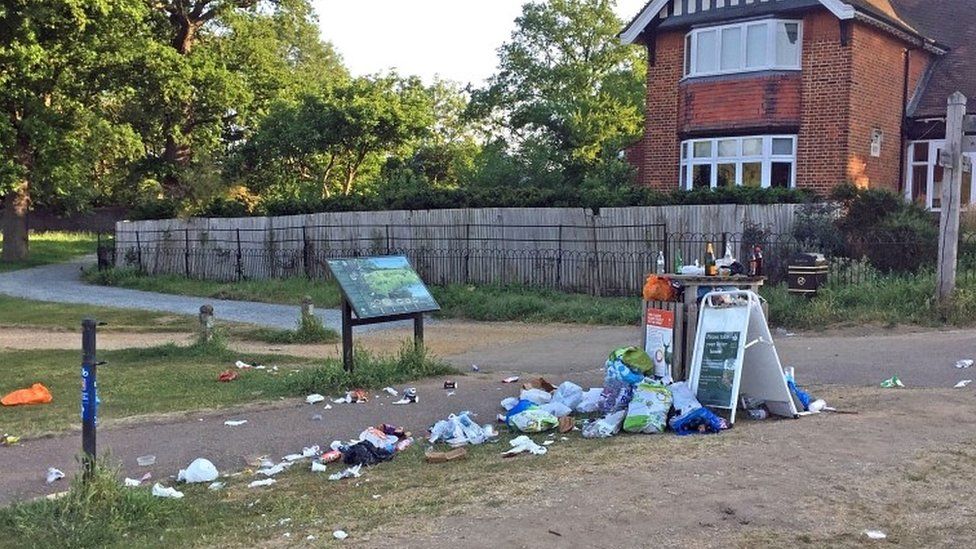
924	176
754	161
762	45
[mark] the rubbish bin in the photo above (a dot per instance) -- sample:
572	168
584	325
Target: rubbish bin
806	273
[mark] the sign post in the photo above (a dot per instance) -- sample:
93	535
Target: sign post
952	161
89	394
379	289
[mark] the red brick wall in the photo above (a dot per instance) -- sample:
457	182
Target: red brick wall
877	92
826	78
660	158
735	102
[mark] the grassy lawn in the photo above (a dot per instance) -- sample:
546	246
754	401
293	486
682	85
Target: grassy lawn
171	378
15	312
53	247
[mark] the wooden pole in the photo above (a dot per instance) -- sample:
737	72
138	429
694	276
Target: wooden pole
951	160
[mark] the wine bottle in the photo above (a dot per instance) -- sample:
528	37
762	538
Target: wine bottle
711	269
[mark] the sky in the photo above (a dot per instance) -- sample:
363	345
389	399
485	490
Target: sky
453	39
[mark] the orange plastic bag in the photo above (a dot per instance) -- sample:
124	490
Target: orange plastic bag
658	288
36	394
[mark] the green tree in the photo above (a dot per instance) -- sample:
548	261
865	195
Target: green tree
325	142
60	139
566	89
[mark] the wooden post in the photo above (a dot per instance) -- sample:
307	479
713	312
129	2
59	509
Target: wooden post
951	160
347	352
206	323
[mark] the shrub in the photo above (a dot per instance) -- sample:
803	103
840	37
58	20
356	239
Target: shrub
815	229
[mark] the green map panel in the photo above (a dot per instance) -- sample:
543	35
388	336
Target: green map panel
382	286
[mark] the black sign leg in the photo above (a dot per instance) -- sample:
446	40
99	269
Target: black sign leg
418	330
347	357
89	395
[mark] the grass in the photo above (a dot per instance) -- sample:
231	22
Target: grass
52	247
487	303
15	312
888	300
310	330
172	378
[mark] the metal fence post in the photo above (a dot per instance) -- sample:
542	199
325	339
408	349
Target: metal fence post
139	253
186	252
240	263
467	252
306	255
89	395
559	258
388	247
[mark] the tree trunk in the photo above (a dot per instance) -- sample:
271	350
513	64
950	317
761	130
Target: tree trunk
16	204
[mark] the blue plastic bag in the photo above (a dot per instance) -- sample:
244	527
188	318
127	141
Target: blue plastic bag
688	424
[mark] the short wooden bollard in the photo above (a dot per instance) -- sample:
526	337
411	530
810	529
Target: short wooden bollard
206	322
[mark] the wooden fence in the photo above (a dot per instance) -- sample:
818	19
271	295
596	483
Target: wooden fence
563	248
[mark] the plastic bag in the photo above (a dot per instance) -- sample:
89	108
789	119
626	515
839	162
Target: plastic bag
200	470
604	427
616	396
534	420
634	358
590	401
557	409
684	399
458	430
35	394
509	403
698	420
648	410
569	394
535	396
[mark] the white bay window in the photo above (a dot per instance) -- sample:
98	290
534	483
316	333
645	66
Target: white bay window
751	161
924	176
771	44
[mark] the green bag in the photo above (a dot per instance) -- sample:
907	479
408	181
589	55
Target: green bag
636	359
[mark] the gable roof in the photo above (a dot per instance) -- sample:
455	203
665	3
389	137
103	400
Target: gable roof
946	28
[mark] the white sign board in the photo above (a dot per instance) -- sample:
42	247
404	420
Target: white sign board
734	353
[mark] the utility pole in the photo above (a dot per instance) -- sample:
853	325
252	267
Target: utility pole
951	160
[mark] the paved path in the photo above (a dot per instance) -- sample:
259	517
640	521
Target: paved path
61	283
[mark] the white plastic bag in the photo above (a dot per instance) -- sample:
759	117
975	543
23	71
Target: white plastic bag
524	444
684	399
557	409
606	426
536	396
569	394
200	470
161	491
534	420
509	403
590	401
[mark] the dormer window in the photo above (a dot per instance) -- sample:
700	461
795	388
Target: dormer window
771	44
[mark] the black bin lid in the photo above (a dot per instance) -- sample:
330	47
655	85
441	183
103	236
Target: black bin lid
808	259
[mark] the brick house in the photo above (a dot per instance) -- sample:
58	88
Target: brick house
803	93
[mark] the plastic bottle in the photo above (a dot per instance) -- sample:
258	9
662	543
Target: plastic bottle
660	263
678	262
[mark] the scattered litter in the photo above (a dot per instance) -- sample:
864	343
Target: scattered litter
146	461
358	396
318	467
548	442
475	368
532	419
327	407
131	482
35	394
200	470
536	396
54	475
8	440
311	451
555	533
316	417
330	456
310	538
892	383
377	496
964	363
566	424
450	393
243	365
314	399
962	384
875	534
351	472
262	483
235	422
340	535
450	385
818	406
391	391
227	376
216	486
409	397
539	383
272	471
161	491
513	379
293	457
458	430
524	444
443	457
344	400
606	426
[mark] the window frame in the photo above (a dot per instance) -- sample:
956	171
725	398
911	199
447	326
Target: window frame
933	146
688	161
690	62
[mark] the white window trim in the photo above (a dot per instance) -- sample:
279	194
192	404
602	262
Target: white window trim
767	158
690	61
931	160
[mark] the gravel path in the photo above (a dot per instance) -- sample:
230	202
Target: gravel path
61	283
